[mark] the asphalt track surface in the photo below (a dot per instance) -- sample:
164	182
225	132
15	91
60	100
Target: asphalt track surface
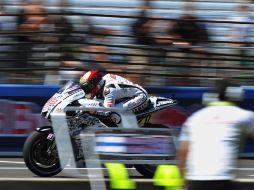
16	168
14	175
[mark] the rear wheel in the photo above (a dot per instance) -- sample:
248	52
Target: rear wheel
148	170
40	155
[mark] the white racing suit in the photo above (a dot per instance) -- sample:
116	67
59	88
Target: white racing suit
119	92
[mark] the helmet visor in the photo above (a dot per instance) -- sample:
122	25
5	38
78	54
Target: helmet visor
87	87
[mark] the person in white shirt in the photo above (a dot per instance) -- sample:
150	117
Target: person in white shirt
210	141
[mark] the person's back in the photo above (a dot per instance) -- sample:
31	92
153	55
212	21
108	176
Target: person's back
214	134
188	27
209	142
191	30
141	29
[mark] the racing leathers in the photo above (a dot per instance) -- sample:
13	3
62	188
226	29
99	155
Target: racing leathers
118	92
121	93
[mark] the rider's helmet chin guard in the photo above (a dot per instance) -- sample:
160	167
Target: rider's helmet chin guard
89	82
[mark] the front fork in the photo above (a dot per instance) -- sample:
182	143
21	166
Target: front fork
51	143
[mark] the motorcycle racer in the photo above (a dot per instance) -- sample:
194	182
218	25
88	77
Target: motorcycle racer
115	90
40	150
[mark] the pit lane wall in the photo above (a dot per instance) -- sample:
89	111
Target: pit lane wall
20	107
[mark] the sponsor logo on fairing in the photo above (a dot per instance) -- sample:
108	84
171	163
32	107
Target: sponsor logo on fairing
160	103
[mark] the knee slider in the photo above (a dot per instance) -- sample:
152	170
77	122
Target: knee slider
115	117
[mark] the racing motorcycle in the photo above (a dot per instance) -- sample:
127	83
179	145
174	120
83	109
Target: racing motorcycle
40	150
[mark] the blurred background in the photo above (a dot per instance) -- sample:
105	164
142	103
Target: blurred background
151	42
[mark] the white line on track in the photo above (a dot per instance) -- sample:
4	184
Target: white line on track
13	168
59	179
245	169
11	162
70	180
24	168
15	162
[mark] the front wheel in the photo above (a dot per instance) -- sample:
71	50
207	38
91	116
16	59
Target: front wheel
148	170
40	154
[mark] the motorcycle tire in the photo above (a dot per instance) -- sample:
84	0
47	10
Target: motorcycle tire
148	170
36	157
